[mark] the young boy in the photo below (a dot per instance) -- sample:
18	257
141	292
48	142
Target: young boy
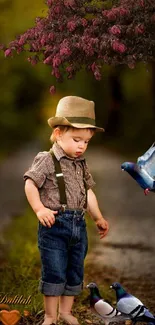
58	187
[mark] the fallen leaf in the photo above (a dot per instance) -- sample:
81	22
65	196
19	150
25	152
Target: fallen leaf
128	322
26	313
88	321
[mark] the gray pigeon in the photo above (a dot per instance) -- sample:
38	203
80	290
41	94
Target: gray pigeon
131	306
144	170
102	308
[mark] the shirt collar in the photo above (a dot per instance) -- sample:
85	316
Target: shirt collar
59	153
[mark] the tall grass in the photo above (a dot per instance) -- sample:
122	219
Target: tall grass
20	262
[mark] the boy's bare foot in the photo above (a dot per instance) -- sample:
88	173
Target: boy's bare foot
49	321
68	318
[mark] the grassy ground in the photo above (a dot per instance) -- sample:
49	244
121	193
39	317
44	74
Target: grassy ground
20	270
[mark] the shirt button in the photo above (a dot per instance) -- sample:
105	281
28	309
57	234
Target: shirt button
78	173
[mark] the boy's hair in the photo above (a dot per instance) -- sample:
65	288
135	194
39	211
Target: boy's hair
61	128
65	128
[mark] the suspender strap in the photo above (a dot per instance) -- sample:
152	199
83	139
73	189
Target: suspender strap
60	180
85	184
61	183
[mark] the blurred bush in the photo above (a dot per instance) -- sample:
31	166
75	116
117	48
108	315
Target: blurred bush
22	87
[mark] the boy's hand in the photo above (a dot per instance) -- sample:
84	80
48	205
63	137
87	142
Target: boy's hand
46	216
103	227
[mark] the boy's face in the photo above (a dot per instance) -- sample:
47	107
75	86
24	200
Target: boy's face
74	141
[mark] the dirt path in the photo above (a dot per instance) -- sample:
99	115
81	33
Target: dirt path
127	254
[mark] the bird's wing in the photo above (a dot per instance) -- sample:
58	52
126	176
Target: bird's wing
146	155
147	161
105	310
149	165
127	304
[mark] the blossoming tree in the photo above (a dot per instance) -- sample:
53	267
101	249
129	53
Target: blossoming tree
79	33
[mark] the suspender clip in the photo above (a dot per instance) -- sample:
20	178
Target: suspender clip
63	207
59	174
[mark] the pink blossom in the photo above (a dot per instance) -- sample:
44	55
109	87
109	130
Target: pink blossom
22	40
70	76
115	30
88	49
35	46
71	26
109	14
48	60
69	3
139	29
78	45
57	10
123	11
56	73
51	37
49	2
93	66
89	45
39	22
52	90
71	71
19	50
84	22
43	41
1	47
131	65
56	61
113	13
33	59
97	75
141	2
8	52
96	22
96	71
118	47
65	51
106	59
69	68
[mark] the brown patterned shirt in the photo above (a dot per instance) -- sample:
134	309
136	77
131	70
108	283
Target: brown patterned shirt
42	172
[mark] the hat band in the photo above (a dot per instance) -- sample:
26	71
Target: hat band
81	120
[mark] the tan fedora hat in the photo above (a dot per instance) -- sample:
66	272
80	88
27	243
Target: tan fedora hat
75	111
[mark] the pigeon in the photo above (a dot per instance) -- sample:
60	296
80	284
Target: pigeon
131	306
144	170
102	308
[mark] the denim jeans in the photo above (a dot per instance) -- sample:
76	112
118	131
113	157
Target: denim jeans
63	248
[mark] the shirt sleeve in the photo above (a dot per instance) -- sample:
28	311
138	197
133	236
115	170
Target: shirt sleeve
88	177
39	169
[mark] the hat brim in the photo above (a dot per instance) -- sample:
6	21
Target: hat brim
56	121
